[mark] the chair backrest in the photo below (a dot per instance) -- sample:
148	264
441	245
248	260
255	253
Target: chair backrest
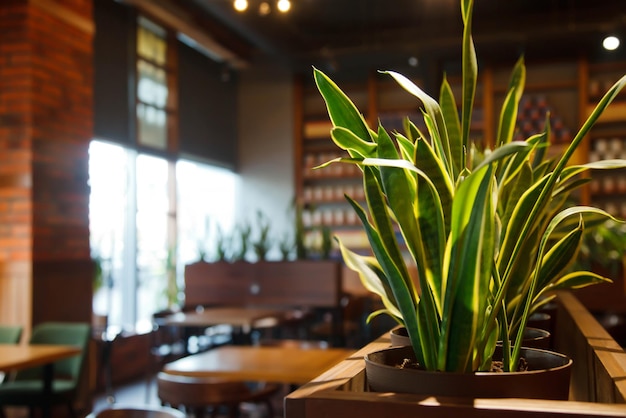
61	333
10	334
191	391
137	412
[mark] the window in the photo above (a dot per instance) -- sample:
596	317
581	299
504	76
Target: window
131	216
206	208
149	213
152	86
153	237
109	218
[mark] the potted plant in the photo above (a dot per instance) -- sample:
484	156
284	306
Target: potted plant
490	234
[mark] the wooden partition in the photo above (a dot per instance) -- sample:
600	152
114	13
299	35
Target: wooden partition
301	283
598	384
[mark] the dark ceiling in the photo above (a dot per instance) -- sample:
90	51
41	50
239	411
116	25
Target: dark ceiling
385	33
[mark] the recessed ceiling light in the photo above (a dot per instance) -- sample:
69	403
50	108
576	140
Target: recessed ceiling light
610	43
413	61
240	5
283	5
264	8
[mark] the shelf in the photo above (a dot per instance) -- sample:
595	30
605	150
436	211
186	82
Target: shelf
317	129
615	112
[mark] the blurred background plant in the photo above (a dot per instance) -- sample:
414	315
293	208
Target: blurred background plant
263	242
286	246
223	245
603	246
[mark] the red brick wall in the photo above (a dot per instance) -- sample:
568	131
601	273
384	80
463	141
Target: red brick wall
45	129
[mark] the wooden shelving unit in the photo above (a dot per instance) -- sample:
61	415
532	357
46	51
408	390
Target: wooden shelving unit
321	191
566	90
607	139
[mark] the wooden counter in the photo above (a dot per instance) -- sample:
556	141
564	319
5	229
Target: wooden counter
598	387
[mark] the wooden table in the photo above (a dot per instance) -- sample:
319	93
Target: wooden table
16	357
242	317
259	363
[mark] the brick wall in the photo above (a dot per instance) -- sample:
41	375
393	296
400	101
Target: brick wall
45	127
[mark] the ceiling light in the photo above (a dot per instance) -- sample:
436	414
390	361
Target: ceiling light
283	5
264	8
240	5
610	43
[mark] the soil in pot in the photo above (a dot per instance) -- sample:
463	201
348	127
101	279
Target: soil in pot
547	377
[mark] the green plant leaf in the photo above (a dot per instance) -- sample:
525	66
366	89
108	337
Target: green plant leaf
469	256
410	130
417	211
512	192
347	140
407	148
508	113
469	70
422	331
579	279
560	255
452	126
342	111
433	110
372	277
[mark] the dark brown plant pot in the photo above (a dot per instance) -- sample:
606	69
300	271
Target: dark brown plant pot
541	320
536	338
547	378
399	337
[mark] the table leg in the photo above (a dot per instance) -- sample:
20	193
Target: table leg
106	363
48	374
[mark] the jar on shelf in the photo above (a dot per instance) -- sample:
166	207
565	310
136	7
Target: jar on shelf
608	185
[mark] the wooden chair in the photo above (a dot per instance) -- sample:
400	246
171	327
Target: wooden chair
197	394
344	326
25	389
137	412
167	344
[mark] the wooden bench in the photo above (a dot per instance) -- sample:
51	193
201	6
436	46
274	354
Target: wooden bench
304	285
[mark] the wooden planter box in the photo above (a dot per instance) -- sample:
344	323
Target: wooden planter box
598	385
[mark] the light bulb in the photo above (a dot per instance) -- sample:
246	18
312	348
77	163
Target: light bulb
264	8
283	5
610	43
240	5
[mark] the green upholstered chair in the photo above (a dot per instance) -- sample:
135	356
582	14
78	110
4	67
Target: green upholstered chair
26	388
10	334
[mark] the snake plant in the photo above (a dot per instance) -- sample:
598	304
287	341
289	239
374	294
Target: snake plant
489	236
